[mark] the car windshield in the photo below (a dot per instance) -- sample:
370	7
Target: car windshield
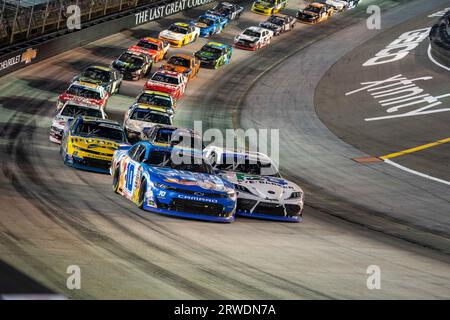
178	161
83	92
276	20
215	51
165	78
178	29
131	59
266	2
249	167
100	130
184	139
73	111
150	116
179	61
251	33
155	100
147	45
96	74
312	9
207	21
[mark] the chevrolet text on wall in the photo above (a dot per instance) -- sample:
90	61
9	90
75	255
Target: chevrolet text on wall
167	10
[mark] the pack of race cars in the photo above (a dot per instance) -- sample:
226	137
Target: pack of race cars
165	169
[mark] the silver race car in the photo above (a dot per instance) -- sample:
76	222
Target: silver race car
261	191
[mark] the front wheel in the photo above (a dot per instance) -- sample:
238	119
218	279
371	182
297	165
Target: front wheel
116	179
142	192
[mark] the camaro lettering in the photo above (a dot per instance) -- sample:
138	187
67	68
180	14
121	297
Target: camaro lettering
182	196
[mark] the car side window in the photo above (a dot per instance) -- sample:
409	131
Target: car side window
140	153
132	151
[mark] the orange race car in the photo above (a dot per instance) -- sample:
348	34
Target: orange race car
155	48
183	63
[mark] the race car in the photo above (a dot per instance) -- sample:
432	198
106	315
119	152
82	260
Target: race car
214	54
167	135
172	181
261	191
314	13
351	3
227	10
268	7
253	38
84	92
108	78
338	5
157	99
68	112
180	34
89	143
170	82
155	48
182	63
133	65
279	23
210	24
140	116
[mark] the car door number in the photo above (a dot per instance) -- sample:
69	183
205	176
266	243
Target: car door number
129	177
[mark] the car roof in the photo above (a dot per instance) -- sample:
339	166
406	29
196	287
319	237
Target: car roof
150	107
103	68
181	24
216	44
167	72
244	153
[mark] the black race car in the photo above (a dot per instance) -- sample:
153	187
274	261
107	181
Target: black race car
214	54
133	65
279	23
228	10
171	135
108	78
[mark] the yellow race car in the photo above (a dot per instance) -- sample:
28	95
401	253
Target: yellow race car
179	34
89	143
268	7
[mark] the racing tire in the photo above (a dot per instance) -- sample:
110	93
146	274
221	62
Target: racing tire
142	192
116	178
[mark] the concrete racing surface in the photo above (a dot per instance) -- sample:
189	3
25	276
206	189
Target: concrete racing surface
356	215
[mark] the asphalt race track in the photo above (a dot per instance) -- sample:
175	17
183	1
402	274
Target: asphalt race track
356	215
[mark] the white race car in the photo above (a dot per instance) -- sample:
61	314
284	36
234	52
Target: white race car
69	111
140	116
253	38
262	192
338	5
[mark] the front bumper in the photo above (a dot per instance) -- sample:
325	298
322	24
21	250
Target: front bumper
252	208
207	63
88	164
244	47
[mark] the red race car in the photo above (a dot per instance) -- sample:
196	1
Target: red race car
170	82
155	48
83	92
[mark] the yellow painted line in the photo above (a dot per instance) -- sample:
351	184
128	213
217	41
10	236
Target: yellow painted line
422	147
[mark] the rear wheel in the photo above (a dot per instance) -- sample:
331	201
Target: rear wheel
142	192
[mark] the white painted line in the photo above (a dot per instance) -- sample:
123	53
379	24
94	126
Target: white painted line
420	174
434	60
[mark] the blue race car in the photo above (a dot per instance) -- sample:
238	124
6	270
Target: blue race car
210	24
172	181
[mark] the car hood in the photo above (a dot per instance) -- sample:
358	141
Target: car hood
194	181
248	38
269	25
171	35
179	69
61	121
268	188
143	50
95	144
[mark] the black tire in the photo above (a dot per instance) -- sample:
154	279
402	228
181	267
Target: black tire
142	192
116	178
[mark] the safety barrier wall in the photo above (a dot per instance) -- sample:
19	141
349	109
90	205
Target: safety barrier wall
55	43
